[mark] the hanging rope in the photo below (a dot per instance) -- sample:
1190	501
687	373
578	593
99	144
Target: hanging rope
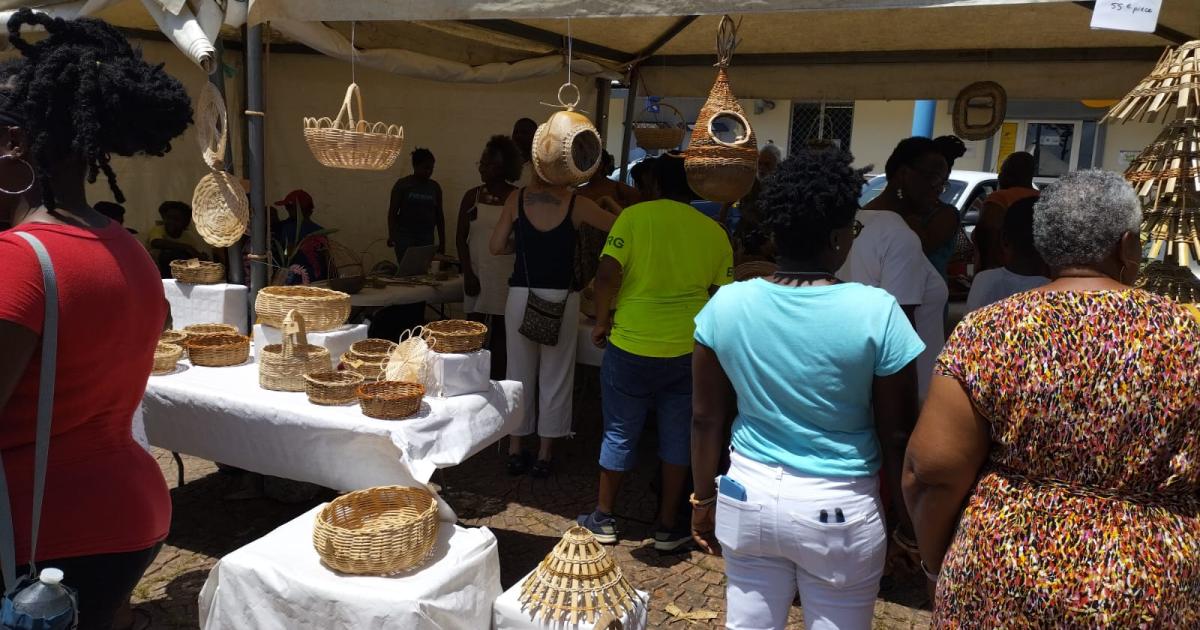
570	84
353	51
727	41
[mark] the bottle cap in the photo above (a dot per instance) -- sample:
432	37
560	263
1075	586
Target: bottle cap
51	576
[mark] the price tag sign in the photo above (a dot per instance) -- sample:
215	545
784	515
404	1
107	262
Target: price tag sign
1131	15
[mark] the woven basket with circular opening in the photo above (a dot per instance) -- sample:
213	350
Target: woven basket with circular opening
377	531
197	271
166	355
201	330
390	400
567	149
322	309
577	582
456	336
218	350
347	142
282	366
332	388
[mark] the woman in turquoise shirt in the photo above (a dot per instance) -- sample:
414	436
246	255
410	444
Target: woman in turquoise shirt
819	378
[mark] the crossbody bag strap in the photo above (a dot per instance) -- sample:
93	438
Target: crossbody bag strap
45	412
522	253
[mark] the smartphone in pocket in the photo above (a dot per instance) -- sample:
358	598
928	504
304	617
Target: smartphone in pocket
731	488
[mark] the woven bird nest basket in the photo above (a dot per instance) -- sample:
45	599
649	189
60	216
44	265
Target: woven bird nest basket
390	400
282	366
567	149
352	143
218	350
220	209
203	330
377	531
166	355
332	388
322	309
196	271
577	582
659	135
456	336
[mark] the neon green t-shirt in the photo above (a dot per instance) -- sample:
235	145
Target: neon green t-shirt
670	255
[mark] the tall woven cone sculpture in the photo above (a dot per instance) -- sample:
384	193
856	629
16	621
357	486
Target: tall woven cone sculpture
577	583
720	170
1166	177
1173	84
1168	279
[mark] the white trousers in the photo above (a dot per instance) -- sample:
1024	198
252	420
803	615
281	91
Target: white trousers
777	541
547	372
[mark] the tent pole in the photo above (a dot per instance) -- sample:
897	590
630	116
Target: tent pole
256	168
233	259
603	95
630	104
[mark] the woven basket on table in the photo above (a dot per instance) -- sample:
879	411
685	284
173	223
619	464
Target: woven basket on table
347	142
218	350
577	582
202	330
390	400
166	355
456	336
720	170
660	135
322	309
377	531
332	388
282	366
197	271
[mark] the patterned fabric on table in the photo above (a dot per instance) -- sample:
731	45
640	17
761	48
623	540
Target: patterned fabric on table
1087	514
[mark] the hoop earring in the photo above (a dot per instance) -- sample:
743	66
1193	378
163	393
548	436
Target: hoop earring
32	176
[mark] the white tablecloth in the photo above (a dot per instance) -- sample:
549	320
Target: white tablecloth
336	341
278	583
507	614
446	292
207	304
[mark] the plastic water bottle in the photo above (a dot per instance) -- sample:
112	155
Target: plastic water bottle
47	599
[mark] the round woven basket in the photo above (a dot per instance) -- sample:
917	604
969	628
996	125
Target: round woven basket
321	309
347	142
370	371
373	350
577	582
202	330
456	336
566	149
211	122
176	337
218	350
661	135
377	531
220	209
332	388
282	366
390	400
197	271
166	355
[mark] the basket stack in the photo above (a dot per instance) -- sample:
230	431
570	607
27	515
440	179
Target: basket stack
323	310
197	271
657	135
166	355
390	400
577	583
456	336
377	531
219	350
352	143
282	367
332	388
369	357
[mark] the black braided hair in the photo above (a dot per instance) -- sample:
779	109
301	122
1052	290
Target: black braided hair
813	192
951	147
510	156
85	91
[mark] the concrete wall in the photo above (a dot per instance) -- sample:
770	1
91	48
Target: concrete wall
1125	138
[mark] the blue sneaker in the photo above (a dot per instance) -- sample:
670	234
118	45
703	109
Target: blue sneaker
670	540
603	526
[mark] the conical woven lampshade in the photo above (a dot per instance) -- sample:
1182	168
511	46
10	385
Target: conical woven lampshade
1170	280
577	582
1173	84
1166	177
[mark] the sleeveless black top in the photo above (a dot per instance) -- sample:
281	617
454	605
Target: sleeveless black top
545	260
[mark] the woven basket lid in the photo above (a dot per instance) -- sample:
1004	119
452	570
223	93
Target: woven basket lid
577	582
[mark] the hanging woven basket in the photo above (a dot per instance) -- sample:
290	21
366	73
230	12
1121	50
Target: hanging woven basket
211	122
220	209
659	135
979	96
352	143
377	531
567	149
282	366
577	582
722	169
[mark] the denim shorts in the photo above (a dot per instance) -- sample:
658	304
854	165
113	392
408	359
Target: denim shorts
632	386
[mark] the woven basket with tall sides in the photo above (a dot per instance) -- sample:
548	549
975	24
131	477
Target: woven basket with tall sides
218	350
332	388
390	400
322	309
166	355
377	531
456	336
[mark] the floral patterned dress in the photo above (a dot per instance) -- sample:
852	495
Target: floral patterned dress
1087	514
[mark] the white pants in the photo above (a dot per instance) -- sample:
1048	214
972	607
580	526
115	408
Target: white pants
547	371
775	542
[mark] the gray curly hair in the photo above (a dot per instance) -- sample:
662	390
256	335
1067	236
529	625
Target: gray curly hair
1080	218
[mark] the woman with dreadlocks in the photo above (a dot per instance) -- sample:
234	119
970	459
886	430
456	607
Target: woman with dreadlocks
70	101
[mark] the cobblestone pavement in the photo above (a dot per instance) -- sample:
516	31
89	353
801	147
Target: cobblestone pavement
526	515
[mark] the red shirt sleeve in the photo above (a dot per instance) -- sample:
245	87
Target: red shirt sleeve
22	296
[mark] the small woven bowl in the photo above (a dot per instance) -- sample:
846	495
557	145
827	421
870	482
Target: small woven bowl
332	388
166	355
456	336
219	350
197	272
370	370
390	400
377	531
372	350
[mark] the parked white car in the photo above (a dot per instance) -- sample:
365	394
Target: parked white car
965	190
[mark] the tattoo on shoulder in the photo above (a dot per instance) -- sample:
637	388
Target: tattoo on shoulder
542	197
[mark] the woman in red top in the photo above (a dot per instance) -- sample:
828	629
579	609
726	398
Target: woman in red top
70	101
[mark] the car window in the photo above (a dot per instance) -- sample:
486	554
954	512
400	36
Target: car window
974	205
954	190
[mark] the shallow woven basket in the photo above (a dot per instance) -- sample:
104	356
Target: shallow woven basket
390	400
377	531
282	366
456	336
658	135
332	388
373	350
166	355
176	337
201	330
346	142
220	209
577	582
321	309
218	350
197	271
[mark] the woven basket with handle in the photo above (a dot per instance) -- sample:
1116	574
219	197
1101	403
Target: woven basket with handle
722	170
322	309
348	142
166	355
577	582
456	336
390	400
282	366
196	271
332	388
218	350
377	531
655	135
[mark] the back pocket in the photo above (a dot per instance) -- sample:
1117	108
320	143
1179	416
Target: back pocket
739	525
840	553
